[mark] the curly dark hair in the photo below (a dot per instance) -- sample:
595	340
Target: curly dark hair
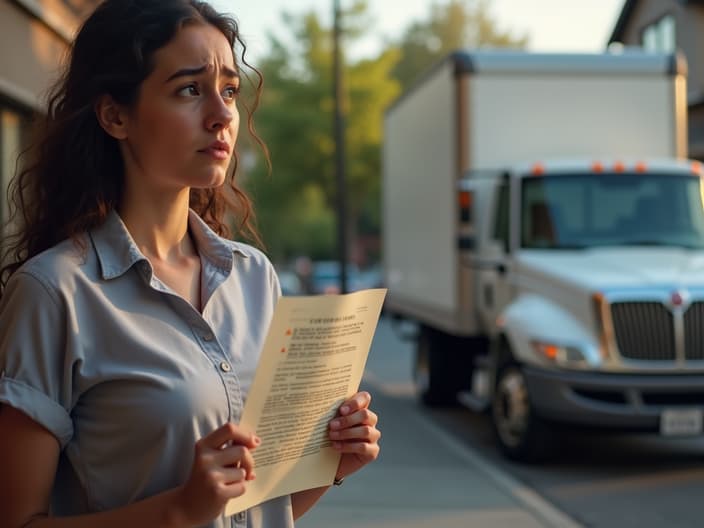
73	173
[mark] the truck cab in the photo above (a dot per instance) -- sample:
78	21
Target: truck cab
592	294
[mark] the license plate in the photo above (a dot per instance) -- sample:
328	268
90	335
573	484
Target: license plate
681	422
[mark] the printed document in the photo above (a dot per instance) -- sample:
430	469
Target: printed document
313	360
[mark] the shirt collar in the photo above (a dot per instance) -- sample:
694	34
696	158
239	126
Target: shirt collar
117	252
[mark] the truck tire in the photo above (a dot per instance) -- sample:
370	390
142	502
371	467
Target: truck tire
521	434
442	367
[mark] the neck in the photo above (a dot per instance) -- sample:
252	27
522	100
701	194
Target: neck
158	224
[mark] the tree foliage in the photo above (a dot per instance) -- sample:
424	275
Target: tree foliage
452	25
296	204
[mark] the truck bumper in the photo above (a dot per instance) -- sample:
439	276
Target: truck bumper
618	401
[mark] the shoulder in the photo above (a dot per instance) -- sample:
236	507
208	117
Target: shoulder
56	267
249	256
36	299
252	264
258	257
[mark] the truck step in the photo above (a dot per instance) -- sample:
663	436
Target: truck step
472	402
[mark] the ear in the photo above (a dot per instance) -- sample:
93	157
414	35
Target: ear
111	116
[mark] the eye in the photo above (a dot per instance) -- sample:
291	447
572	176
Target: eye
231	92
189	91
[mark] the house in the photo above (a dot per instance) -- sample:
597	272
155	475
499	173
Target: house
668	26
34	36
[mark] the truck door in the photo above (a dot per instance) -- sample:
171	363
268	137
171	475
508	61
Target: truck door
494	290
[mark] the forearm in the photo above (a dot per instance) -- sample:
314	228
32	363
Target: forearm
159	511
303	501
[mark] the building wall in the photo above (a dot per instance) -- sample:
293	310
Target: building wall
689	35
37	33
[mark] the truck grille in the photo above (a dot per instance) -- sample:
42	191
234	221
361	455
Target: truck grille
644	330
694	331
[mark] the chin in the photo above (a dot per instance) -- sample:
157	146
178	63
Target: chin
209	182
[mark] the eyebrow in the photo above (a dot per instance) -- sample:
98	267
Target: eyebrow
192	72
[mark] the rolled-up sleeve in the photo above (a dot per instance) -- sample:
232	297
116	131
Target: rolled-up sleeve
35	374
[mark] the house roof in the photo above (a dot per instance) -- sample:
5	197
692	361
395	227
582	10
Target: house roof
625	16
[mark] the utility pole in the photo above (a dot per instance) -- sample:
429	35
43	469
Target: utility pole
339	125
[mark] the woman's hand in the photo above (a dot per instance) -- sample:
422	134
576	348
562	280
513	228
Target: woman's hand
353	433
221	467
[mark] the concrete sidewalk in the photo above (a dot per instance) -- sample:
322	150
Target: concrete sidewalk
426	478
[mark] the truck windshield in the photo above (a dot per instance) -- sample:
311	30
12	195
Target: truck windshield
588	210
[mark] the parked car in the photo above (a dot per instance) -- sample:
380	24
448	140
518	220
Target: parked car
326	277
290	283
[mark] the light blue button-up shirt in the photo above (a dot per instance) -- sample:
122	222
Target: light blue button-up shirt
124	372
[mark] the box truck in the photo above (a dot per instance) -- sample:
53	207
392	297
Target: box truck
544	229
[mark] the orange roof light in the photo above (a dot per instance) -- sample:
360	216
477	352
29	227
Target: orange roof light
598	167
641	166
538	169
696	168
619	166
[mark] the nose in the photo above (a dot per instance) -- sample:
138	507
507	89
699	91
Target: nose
220	114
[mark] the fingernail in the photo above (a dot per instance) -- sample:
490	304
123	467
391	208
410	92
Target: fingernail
257	440
345	409
335	424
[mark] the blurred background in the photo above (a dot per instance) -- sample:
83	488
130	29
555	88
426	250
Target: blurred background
385	45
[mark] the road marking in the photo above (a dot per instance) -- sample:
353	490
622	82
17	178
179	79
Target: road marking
529	498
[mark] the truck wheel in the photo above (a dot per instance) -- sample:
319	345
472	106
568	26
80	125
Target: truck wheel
421	366
521	434
438	371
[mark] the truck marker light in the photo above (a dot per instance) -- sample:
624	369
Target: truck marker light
619	166
641	167
538	169
598	167
696	168
465	199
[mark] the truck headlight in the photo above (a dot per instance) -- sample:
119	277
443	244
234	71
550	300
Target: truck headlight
566	356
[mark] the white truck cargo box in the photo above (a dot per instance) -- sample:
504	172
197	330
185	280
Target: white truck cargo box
489	110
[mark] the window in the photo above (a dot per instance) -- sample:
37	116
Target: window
501	221
574	211
660	35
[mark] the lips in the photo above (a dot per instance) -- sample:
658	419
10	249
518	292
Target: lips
218	150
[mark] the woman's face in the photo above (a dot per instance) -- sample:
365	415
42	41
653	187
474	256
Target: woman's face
182	130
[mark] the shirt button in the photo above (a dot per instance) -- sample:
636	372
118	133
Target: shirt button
225	366
240	517
207	337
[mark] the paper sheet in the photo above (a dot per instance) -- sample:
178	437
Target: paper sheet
313	359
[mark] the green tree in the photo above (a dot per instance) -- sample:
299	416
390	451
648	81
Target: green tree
296	204
452	25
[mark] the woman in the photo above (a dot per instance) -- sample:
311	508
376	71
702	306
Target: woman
129	328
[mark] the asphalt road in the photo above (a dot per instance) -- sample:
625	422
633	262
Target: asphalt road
600	480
